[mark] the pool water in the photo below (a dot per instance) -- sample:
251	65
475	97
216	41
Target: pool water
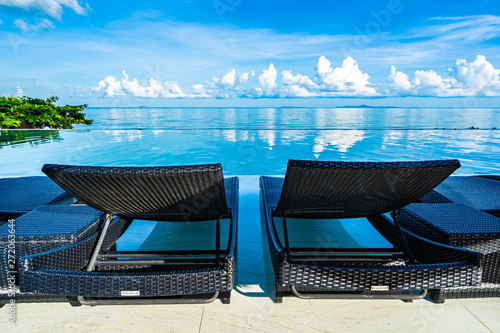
257	141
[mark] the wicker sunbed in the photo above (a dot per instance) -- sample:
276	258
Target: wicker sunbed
480	192
43	229
88	270
465	227
333	190
21	195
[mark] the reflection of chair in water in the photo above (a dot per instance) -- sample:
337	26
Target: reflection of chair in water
331	190
90	268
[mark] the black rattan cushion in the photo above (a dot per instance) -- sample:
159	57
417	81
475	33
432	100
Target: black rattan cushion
449	222
20	195
319	189
170	193
54	222
43	229
480	193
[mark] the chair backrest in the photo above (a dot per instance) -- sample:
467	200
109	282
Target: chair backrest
170	193
318	189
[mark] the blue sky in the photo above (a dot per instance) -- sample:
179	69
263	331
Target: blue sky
242	52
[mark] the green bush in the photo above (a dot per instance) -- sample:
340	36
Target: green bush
40	113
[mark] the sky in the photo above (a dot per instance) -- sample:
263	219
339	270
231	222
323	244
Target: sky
252	53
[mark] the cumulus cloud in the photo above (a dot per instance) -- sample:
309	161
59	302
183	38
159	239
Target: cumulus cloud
289	79
52	8
477	78
346	80
268	80
19	91
243	78
297	85
226	86
229	78
399	81
111	87
43	24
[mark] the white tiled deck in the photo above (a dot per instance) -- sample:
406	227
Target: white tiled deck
251	307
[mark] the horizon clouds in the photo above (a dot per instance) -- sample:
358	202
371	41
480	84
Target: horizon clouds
465	79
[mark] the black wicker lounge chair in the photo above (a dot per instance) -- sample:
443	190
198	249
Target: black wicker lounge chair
332	190
21	195
97	275
465	227
43	229
480	192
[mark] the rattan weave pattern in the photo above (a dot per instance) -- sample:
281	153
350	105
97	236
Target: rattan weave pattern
465	228
21	195
450	223
169	193
482	291
478	192
356	189
434	269
60	271
44	229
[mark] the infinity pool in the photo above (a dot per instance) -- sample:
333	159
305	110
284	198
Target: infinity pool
259	141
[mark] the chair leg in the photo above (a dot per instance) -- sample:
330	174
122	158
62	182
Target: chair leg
225	297
278	293
97	249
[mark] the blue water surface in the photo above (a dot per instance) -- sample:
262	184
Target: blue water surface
257	141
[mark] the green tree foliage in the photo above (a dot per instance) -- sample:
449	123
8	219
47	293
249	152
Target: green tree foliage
40	113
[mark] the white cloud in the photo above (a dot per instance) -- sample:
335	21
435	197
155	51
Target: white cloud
229	78
289	79
44	24
200	91
53	8
19	91
347	80
296	90
399	81
1	22
478	78
268	80
111	87
297	85
243	78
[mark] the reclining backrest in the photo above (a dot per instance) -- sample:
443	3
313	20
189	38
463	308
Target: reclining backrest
170	193
356	189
